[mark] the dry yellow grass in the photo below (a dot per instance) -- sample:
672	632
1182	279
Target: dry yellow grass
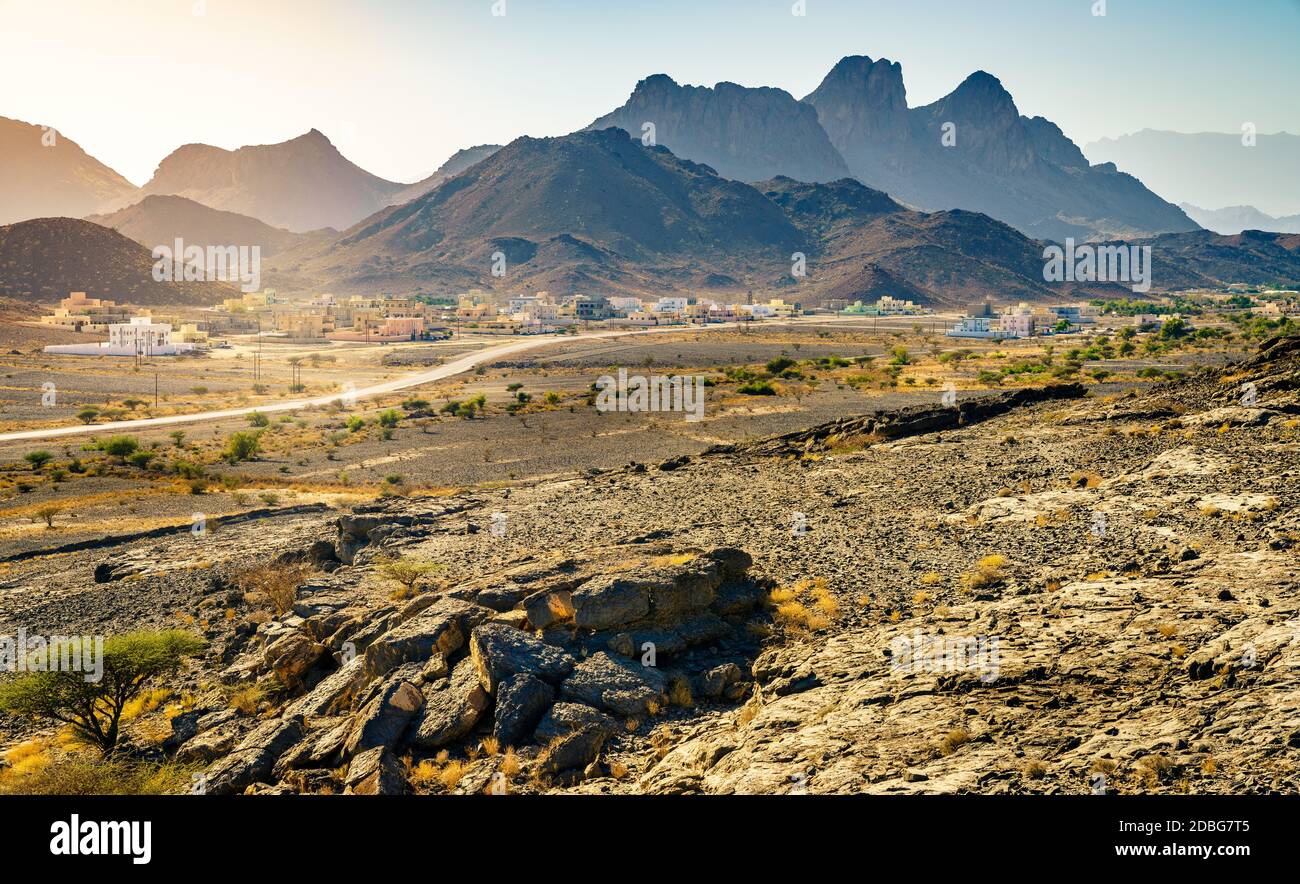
679	693
452	774
246	699
953	740
989	571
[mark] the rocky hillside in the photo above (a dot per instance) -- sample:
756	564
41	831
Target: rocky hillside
159	220
43	260
1040	592
459	162
1020	170
599	211
597	205
302	184
745	134
45	174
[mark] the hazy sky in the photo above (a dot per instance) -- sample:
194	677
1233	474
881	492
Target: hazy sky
398	85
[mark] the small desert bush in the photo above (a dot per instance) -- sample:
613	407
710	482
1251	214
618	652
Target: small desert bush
275	585
989	571
953	740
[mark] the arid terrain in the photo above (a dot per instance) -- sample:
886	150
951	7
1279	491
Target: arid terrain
1078	573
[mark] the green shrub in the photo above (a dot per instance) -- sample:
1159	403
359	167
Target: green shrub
38	459
242	446
93	709
140	459
757	388
119	446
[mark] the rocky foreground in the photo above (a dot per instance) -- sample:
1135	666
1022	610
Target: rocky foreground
1039	592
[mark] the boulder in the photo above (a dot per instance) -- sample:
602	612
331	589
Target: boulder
376	771
501	598
451	708
291	656
209	745
321	746
564	718
687	590
334	692
384	719
521	701
550	607
622	687
573	734
500	651
440	628
607	601
254	758
732	562
713	683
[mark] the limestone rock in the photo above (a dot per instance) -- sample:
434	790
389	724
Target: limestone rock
385	718
499	651
621	687
521	701
451	708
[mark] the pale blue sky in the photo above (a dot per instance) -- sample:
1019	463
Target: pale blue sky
399	85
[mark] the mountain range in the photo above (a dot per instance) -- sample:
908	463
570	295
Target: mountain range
160	220
969	150
972	149
723	189
302	184
597	211
1235	219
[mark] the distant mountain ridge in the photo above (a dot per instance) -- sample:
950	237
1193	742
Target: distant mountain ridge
1235	219
459	162
969	150
743	133
972	149
44	174
302	184
159	220
599	213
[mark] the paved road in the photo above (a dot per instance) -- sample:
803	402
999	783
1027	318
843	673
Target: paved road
415	379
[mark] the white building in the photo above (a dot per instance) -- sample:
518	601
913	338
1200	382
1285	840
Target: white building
625	305
671	305
139	337
976	327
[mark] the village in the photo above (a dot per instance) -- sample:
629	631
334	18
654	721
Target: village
268	317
